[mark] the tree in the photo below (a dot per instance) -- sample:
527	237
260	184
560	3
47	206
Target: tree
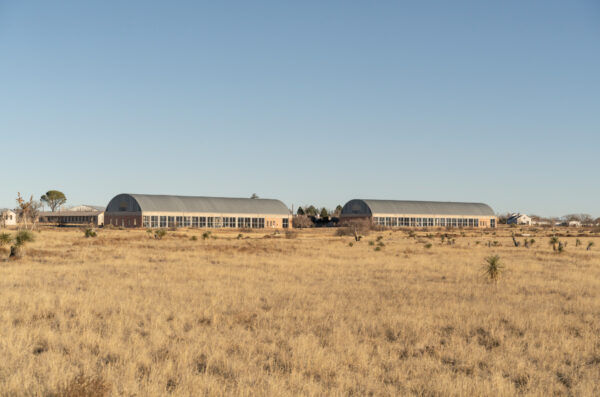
54	199
28	210
310	211
300	211
324	213
338	210
254	196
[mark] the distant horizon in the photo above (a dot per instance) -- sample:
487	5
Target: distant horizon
70	204
306	102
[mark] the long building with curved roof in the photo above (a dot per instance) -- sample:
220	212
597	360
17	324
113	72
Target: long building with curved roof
157	211
400	213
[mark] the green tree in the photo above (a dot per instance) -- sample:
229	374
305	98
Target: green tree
54	199
310	211
254	196
338	210
324	213
300	211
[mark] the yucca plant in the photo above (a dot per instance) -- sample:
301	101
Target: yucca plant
554	242
590	245
493	267
5	239
89	232
22	237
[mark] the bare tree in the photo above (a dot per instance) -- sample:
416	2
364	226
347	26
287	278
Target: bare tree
27	211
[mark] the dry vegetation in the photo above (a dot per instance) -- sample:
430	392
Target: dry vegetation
125	313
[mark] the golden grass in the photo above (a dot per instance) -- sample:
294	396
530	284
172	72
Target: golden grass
126	314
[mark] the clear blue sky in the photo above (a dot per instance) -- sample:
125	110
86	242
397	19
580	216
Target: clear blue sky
304	101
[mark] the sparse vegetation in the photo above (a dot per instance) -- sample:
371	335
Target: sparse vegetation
159	234
89	232
493	267
296	316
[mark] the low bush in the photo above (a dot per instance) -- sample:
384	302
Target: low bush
290	234
89	232
160	233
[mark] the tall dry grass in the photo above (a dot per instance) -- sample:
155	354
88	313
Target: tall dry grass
127	314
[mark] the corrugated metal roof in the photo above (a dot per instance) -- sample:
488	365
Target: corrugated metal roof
362	207
217	205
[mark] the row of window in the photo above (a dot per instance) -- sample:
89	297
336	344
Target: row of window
430	222
155	221
71	219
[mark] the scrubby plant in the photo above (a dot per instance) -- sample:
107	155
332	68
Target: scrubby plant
381	244
5	239
577	243
350	244
194	238
561	246
428	245
379	238
22	237
239	236
590	245
206	235
89	232
554	242
377	248
160	233
493	267
371	243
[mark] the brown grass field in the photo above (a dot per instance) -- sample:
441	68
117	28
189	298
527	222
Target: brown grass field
266	315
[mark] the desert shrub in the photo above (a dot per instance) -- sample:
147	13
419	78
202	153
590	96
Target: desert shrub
554	242
290	234
302	221
412	234
377	248
577	243
160	233
493	267
23	237
194	238
5	239
356	228
350	244
89	232
428	245
239	236
590	245
379	238
371	243
381	244
83	385
206	235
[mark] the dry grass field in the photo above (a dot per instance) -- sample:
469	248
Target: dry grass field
304	314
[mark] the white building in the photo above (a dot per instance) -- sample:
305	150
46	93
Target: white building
574	224
7	217
518	219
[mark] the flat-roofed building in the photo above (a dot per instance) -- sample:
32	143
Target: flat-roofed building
159	211
399	213
78	215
